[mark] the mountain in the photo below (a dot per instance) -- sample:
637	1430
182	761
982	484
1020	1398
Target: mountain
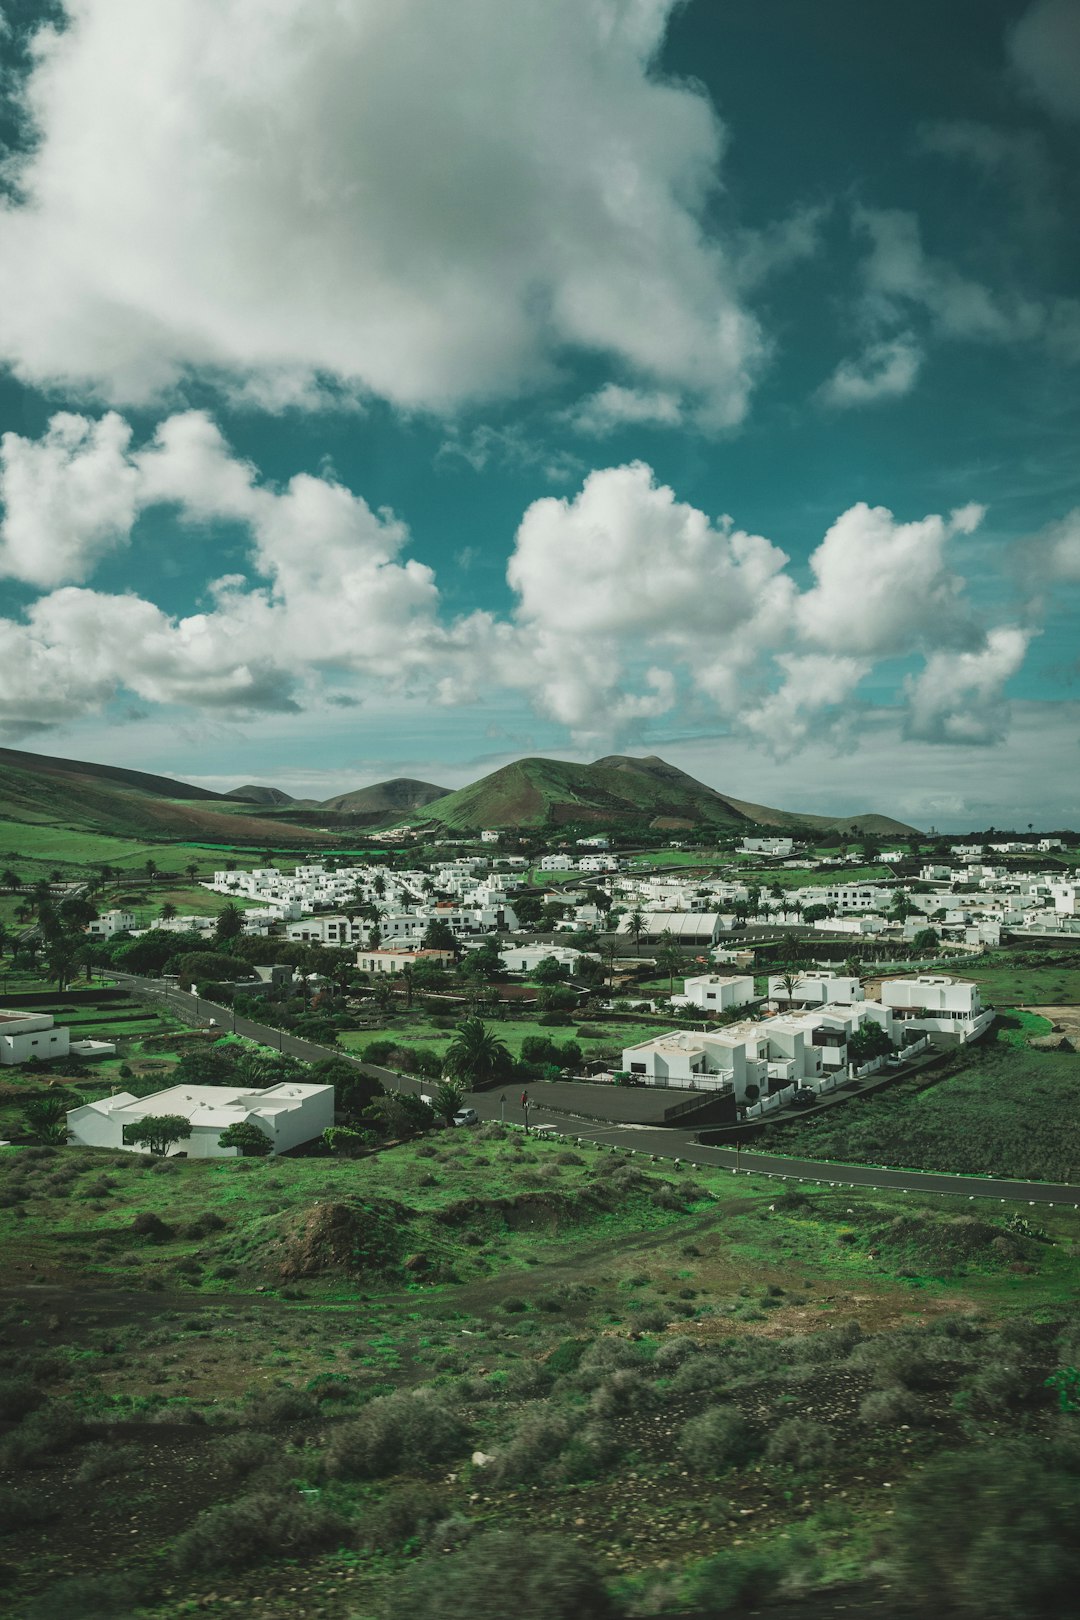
39	789
394	798
252	794
618	788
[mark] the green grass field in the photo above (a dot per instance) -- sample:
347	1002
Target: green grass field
420	1032
1018	981
1001	1109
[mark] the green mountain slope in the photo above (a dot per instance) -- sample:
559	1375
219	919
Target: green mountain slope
617	789
37	789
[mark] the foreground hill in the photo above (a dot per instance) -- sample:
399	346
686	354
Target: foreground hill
646	792
36	788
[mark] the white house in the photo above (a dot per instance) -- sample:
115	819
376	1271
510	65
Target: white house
288	1114
110	923
396	961
932	1002
339	930
815	989
685	927
489	836
715	993
767	846
527	958
27	1035
557	863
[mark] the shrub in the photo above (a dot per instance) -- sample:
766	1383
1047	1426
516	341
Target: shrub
104	1461
744	1578
533	1450
18	1398
889	1408
717	1440
238	1455
406	1515
147	1224
276	1407
42	1435
407	1429
801	1444
22	1509
92	1597
234	1535
626	1390
499	1573
992	1532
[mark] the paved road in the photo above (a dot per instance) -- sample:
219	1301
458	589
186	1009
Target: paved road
662	1141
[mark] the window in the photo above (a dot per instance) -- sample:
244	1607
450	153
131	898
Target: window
637	1068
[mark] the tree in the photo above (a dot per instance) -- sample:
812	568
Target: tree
60	960
252	1142
446	1100
549	970
192	870
476	1056
207	1066
925	943
158	1132
439	936
229	924
11	880
167	912
868	1041
151	869
401	1114
636	927
45	1119
669	958
790	982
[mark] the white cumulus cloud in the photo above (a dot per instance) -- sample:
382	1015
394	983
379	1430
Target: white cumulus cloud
1045	51
885	370
68	498
433	203
958	697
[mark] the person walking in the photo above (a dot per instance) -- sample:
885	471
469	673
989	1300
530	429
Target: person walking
525	1106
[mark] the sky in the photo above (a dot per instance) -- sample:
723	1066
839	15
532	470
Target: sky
403	390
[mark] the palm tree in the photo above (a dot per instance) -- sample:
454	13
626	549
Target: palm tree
636	927
167	912
151	870
476	1055
45	1119
669	958
11	880
789	981
192	870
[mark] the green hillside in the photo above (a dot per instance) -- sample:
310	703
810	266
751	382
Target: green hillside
642	792
396	797
40	792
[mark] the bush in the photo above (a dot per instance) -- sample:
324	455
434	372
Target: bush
407	1429
276	1407
238	1455
403	1516
234	1535
889	1408
992	1532
92	1597
801	1444
717	1440
40	1436
105	1461
533	1451
500	1573
18	1398
743	1578
22	1509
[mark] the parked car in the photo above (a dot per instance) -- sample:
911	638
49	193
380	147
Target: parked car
466	1116
804	1098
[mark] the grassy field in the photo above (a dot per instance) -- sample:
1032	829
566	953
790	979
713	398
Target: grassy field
1024	979
421	1032
1001	1108
255	1386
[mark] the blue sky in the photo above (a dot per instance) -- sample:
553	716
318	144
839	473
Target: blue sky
402	390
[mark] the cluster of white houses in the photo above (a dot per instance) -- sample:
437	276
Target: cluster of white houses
762	1063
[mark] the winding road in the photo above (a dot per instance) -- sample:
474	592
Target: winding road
663	1142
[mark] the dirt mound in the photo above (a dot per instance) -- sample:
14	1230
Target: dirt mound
355	1235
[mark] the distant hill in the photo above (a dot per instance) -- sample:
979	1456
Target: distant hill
252	794
394	798
38	788
620	789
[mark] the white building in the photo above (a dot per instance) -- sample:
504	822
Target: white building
27	1035
557	863
489	836
932	1002
338	930
714	993
288	1114
815	989
701	928
396	961
110	923
767	846
527	958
